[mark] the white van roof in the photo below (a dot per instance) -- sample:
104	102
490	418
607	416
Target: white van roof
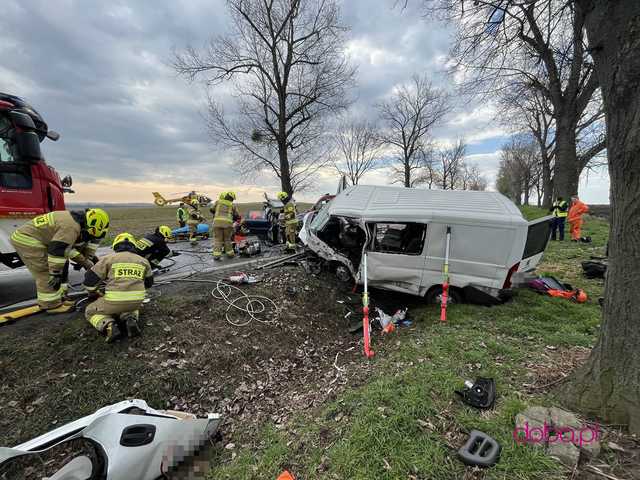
379	203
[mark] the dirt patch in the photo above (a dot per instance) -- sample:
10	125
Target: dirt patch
553	366
189	358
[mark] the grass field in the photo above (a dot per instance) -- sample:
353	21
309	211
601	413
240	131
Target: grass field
405	423
142	220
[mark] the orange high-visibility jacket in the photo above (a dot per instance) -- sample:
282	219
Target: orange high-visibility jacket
576	211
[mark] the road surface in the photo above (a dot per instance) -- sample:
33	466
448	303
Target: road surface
17	288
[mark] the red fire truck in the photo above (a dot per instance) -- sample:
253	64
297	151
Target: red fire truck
28	186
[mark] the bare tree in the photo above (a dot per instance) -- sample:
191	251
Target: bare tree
285	61
539	44
409	116
452	165
519	170
608	384
359	148
472	178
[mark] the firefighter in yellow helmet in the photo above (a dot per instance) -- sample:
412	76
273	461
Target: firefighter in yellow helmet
193	219
154	247
46	244
125	276
290	219
224	214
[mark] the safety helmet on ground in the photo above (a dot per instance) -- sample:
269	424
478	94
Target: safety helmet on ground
282	196
122	239
580	296
194	202
165	231
97	222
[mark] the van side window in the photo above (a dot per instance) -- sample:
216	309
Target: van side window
399	238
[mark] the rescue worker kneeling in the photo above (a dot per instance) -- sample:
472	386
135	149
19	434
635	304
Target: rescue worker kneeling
154	247
48	242
125	276
290	220
224	214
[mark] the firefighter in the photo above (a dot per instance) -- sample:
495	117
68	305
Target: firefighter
574	217
154	247
224	214
559	212
181	215
125	276
290	220
194	218
46	244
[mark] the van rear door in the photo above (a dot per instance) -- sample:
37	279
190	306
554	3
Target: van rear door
538	235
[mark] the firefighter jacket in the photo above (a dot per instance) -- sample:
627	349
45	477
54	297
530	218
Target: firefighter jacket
224	214
153	247
181	214
125	276
290	213
559	208
56	232
194	215
576	211
83	251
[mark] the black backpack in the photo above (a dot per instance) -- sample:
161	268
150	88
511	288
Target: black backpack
594	269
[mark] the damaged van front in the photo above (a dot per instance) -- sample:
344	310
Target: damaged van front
403	231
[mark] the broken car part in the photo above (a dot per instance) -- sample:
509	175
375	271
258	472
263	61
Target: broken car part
128	440
445	282
366	329
481	394
403	233
480	450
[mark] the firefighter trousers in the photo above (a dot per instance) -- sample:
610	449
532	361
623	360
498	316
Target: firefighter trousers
222	241
193	229
576	229
102	312
291	231
35	259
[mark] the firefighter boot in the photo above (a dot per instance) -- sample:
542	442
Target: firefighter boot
112	332
131	321
63	308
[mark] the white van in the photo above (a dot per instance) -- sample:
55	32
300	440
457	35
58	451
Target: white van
403	232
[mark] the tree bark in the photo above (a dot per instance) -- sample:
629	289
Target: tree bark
608	386
567	173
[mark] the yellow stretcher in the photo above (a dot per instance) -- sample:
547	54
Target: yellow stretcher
18	314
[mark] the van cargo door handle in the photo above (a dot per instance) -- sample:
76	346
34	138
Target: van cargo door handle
137	435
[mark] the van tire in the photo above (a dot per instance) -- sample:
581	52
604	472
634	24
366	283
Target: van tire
433	295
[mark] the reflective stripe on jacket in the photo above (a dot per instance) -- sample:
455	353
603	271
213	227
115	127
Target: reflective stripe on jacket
290	214
181	214
123	274
559	209
223	213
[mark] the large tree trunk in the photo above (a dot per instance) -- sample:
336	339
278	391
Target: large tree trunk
608	385
285	169
566	176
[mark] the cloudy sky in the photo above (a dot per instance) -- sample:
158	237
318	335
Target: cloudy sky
97	71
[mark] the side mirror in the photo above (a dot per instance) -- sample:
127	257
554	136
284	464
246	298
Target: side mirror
28	146
52	135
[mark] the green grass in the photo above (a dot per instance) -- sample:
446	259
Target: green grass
405	422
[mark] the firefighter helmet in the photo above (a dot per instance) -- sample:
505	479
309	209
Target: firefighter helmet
194	202
165	231
282	196
97	222
122	238
231	195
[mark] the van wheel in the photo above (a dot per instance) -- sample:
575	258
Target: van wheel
434	295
